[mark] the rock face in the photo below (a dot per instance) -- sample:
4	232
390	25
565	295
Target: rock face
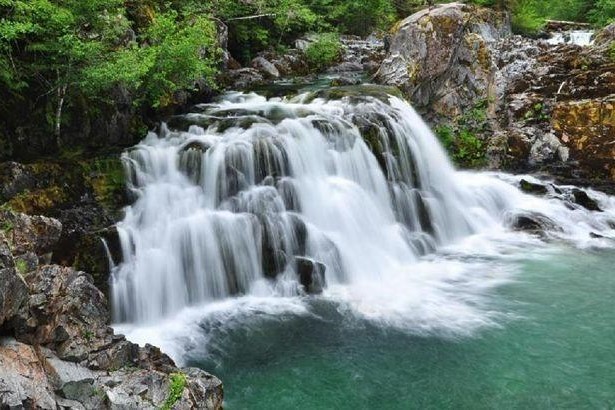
56	350
538	104
442	58
588	128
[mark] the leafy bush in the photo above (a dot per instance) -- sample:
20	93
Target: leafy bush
525	18
176	389
324	51
461	139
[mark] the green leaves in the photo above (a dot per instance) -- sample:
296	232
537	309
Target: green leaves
178	53
324	51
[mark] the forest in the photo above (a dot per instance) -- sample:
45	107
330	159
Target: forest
74	49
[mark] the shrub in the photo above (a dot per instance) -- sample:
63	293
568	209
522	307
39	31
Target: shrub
324	51
176	389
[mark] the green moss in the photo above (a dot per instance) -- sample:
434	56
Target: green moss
537	113
176	389
357	93
461	138
21	266
38	201
106	177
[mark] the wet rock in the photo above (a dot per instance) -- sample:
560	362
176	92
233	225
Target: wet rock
532	187
345	80
534	223
311	274
244	78
581	198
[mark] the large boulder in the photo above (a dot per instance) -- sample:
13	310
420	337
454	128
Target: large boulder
443	57
36	234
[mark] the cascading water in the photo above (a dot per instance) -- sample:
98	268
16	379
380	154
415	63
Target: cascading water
270	198
577	37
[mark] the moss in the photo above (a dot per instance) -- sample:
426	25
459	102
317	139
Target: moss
611	51
38	201
21	266
107	180
357	93
176	389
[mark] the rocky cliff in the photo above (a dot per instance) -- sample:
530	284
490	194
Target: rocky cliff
56	350
530	104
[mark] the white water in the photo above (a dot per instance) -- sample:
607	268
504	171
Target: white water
577	37
212	234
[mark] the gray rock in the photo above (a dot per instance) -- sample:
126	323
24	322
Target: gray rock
244	78
311	274
266	68
436	53
23	382
36	234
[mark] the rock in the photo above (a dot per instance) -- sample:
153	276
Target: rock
581	198
532	187
13	289
23	381
547	149
588	128
206	390
534	223
13	294
346	66
605	36
14	178
25	233
265	67
244	78
345	80
443	57
311	274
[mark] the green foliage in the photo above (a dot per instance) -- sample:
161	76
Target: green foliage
178	54
461	139
528	16
538	112
603	13
176	389
324	51
358	17
21	266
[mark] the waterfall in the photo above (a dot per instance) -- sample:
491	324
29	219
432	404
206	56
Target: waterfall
282	197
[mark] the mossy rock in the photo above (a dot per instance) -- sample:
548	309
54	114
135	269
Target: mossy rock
357	93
